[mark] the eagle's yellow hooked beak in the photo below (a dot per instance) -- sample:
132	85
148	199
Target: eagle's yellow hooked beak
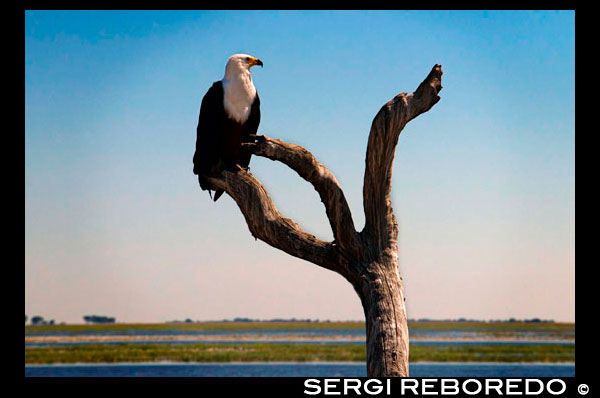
254	61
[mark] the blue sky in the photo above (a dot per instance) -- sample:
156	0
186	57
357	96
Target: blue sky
483	183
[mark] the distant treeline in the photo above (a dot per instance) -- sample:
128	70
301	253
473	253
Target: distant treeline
188	320
281	320
510	320
98	319
39	320
273	320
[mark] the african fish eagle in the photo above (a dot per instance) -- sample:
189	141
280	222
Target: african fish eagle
229	115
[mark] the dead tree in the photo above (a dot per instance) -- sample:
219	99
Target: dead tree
367	259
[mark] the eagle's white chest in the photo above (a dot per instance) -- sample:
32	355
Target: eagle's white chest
238	96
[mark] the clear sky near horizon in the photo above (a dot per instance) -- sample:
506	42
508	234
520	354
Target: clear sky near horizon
483	184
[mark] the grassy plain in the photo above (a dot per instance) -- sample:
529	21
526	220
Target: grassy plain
275	352
284	352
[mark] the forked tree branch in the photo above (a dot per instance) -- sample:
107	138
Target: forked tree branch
380	223
266	223
309	168
368	259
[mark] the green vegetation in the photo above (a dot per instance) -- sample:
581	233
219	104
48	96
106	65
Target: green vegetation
493	353
437	325
283	352
265	352
199	352
490	330
559	331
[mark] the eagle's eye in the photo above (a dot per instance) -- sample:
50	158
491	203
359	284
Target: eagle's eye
248	59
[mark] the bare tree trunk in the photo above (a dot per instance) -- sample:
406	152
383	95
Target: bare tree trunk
367	259
382	299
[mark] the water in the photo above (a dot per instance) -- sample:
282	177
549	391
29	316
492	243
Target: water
297	370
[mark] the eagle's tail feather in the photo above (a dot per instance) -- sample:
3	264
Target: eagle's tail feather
218	194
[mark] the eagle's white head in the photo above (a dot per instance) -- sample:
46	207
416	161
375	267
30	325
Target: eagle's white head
240	64
238	87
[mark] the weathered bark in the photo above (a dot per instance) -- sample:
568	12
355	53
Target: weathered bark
369	259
